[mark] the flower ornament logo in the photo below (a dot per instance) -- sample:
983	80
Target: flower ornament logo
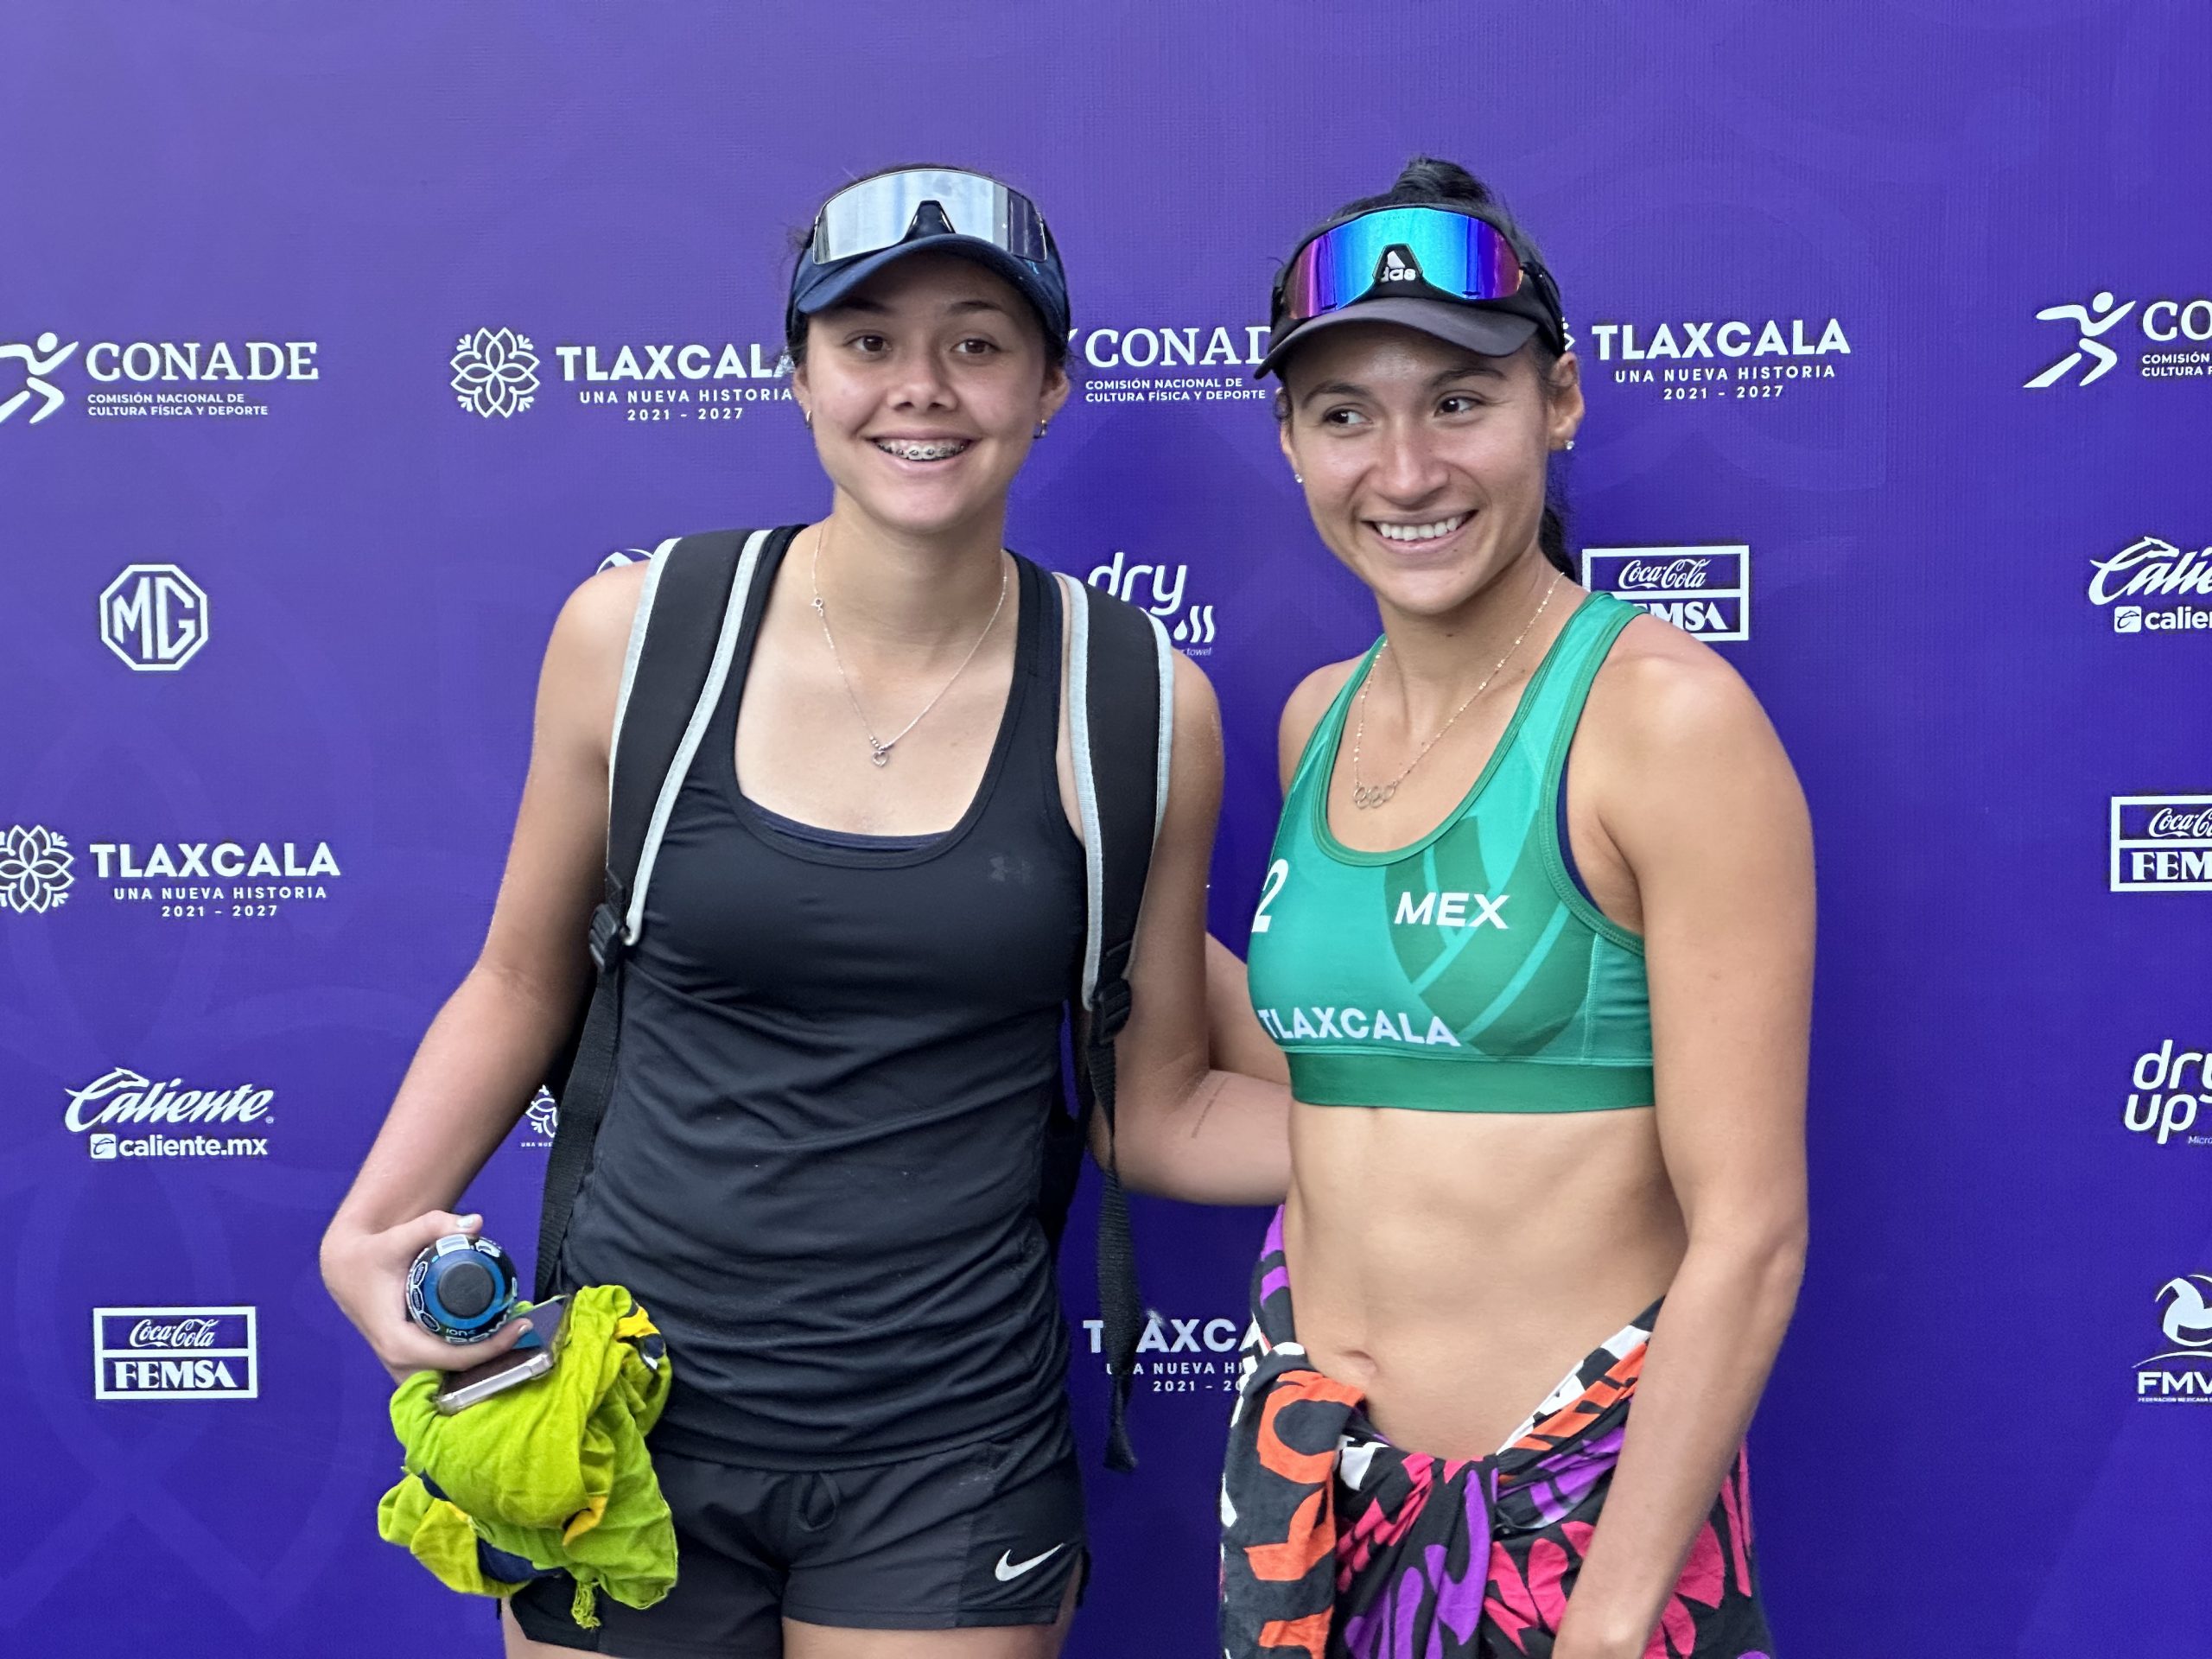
544	1112
34	869
495	373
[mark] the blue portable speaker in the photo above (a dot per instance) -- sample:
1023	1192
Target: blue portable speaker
461	1289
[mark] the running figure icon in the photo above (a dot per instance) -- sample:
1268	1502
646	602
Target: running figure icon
2093	320
48	355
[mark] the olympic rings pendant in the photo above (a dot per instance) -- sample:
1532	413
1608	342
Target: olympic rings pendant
1365	796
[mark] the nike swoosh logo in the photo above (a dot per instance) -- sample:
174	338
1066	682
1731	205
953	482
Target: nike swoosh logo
1007	1568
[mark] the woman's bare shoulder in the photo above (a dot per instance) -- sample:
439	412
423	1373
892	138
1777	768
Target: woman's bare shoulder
1303	709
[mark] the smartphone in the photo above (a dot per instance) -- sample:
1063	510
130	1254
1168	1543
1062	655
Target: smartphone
531	1357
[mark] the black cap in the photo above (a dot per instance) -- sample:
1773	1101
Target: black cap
1043	283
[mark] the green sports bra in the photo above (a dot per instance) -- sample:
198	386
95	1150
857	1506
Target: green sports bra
1468	972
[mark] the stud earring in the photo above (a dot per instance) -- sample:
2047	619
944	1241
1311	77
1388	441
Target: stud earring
1297	477
1570	443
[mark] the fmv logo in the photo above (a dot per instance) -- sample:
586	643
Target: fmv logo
1704	591
154	617
1191	629
2149	584
174	1353
2182	1373
2162	843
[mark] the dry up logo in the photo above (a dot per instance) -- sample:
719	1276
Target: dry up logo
1192	630
174	1353
165	363
2148	586
2162	843
496	372
115	1112
1705	591
2096	324
2162	1098
1733	358
154	617
1196	363
2182	1374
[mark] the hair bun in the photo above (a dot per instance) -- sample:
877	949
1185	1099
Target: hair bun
1427	179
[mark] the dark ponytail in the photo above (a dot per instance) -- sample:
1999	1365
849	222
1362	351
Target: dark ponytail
1425	179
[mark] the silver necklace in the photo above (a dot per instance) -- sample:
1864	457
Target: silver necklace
880	751
1365	796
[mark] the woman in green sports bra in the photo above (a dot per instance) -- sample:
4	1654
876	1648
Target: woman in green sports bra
1535	947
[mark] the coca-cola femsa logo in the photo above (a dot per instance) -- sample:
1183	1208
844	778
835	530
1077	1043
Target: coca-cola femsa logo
180	1333
2162	843
175	1353
1664	573
2170	823
1704	591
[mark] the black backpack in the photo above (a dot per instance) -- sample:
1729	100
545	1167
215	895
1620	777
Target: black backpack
699	595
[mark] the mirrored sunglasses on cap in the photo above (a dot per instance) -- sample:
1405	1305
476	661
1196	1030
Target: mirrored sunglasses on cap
881	211
1416	251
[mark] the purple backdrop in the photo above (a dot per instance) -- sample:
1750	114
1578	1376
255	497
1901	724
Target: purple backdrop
337	344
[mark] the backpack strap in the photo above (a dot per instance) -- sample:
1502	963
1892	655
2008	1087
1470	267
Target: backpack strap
683	640
1120	733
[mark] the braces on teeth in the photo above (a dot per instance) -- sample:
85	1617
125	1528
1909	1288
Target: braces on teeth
921	451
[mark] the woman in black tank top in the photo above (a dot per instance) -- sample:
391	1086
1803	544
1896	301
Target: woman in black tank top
839	1068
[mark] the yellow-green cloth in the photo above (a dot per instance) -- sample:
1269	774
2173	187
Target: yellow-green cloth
554	1470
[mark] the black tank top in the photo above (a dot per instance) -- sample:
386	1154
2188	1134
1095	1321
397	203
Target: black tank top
820	1169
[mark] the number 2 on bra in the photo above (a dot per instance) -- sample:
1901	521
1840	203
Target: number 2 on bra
1278	873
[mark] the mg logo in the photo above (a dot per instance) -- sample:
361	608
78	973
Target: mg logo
154	617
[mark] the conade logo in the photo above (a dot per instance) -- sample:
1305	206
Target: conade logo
190	363
2096	324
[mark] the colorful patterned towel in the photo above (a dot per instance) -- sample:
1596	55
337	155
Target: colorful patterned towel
1337	1545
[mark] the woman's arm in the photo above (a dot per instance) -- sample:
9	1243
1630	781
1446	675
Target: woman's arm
1701	803
1185	1130
1238	1039
490	1045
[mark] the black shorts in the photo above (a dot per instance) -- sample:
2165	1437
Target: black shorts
982	1535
